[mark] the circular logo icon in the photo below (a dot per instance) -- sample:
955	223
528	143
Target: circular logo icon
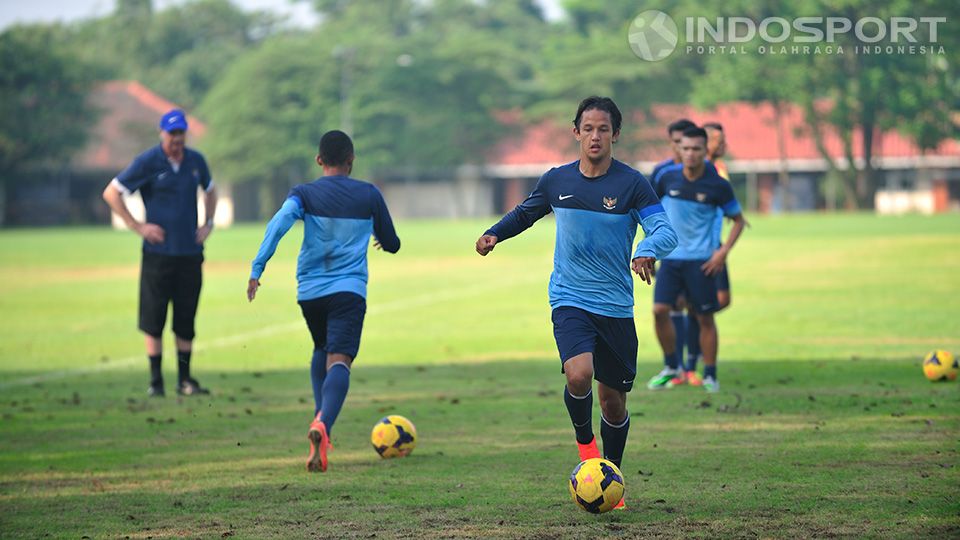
652	35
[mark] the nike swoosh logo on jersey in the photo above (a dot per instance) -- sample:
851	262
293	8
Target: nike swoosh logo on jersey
674	192
564	197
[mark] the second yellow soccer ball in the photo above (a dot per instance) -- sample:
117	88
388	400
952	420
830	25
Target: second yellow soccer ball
940	366
394	436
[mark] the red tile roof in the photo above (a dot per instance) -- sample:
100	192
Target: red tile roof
750	129
127	125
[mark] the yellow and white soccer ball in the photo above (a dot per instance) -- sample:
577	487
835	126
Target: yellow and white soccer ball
596	485
940	366
394	436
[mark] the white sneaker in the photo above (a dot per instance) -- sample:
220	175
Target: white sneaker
711	385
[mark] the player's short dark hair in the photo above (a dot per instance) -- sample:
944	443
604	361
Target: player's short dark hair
694	132
336	148
713	125
680	125
601	104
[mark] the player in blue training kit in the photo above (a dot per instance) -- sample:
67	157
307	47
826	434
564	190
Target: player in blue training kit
598	202
716	148
674	133
171	271
691	194
339	215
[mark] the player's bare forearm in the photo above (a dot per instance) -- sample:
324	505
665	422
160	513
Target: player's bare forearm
719	258
738	224
150	232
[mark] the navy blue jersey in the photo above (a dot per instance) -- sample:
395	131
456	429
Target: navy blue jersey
596	224
692	208
169	196
660	166
339	215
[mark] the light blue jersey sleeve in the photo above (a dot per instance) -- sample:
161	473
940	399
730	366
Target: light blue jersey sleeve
289	213
659	237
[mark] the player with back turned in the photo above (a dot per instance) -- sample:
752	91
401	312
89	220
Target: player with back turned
339	214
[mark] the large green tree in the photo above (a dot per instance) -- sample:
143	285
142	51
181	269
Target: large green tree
43	89
179	52
852	93
418	86
267	113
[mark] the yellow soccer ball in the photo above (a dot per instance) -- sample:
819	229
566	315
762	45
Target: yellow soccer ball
940	366
596	485
394	436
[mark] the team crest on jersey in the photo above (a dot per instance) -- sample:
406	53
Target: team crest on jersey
609	203
196	174
701	197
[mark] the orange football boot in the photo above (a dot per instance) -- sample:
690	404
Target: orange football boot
319	444
588	450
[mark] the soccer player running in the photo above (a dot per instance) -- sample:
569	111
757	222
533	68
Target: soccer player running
598	202
691	194
339	215
716	149
168	176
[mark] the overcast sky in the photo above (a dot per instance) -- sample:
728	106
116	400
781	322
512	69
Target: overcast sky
31	11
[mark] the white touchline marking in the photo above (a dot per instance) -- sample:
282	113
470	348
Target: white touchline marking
269	331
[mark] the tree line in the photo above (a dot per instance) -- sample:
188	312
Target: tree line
422	85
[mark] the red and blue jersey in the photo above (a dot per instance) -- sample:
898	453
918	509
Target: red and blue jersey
169	193
692	207
339	215
597	222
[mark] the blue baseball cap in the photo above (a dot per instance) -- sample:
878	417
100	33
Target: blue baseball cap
175	119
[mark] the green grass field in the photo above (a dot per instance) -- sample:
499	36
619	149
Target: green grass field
825	426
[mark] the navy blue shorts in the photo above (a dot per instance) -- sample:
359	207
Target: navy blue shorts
612	341
335	322
723	279
685	277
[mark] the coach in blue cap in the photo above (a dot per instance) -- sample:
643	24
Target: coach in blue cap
168	177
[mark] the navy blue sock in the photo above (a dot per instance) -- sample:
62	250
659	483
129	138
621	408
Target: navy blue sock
710	371
693	342
680	331
318	372
335	388
581	414
183	365
156	375
614	439
672	360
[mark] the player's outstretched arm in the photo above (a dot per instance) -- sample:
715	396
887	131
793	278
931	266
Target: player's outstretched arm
485	244
278	226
